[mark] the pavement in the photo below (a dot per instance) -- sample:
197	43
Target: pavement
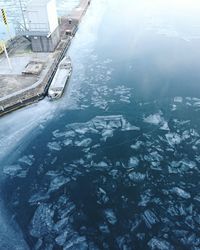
21	77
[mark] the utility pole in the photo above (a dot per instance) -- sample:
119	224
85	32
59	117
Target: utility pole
20	3
8	59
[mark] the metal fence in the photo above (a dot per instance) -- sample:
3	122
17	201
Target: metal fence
16	12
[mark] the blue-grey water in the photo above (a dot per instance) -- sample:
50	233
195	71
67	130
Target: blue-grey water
115	163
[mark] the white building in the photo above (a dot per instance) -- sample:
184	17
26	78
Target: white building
42	25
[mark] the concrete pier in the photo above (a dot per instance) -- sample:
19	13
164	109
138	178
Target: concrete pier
32	72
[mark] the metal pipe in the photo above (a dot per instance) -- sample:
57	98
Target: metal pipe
20	3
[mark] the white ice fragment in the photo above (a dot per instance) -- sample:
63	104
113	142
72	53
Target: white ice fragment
82	130
84	142
126	126
76	242
42	222
174	107
102	164
188	164
129	127
61	224
137	145
195	99
68	142
54	146
110	216
58	134
12	170
197	104
70	133
57	183
62	238
181	166
133	162
165	126
136	177
114	124
173	139
155	119
107	133
27	159
159	244
39	197
102	196
150	218
178	99
181	193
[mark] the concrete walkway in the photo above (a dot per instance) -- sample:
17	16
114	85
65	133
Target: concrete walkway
19	89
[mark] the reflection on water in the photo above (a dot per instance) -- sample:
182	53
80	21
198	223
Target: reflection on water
115	163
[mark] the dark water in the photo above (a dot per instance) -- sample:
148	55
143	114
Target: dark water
114	164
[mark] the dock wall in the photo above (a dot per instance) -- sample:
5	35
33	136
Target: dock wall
39	89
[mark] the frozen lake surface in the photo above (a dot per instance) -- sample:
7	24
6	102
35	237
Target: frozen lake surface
115	163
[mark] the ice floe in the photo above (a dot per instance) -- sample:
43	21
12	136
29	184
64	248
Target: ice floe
133	162
110	216
150	218
55	146
159	244
15	171
42	222
181	193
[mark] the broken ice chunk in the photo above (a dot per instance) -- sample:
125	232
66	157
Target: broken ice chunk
102	196
180	192
137	145
136	177
102	164
155	119
196	104
82	130
135	223
42	221
173	139
149	218
110	216
57	183
76	242
159	244
70	207
61	224
83	143
39	197
28	160
62	238
12	170
178	99
107	133
15	171
54	146
67	142
133	162
164	126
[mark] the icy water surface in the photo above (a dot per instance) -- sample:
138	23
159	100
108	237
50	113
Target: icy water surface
114	164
